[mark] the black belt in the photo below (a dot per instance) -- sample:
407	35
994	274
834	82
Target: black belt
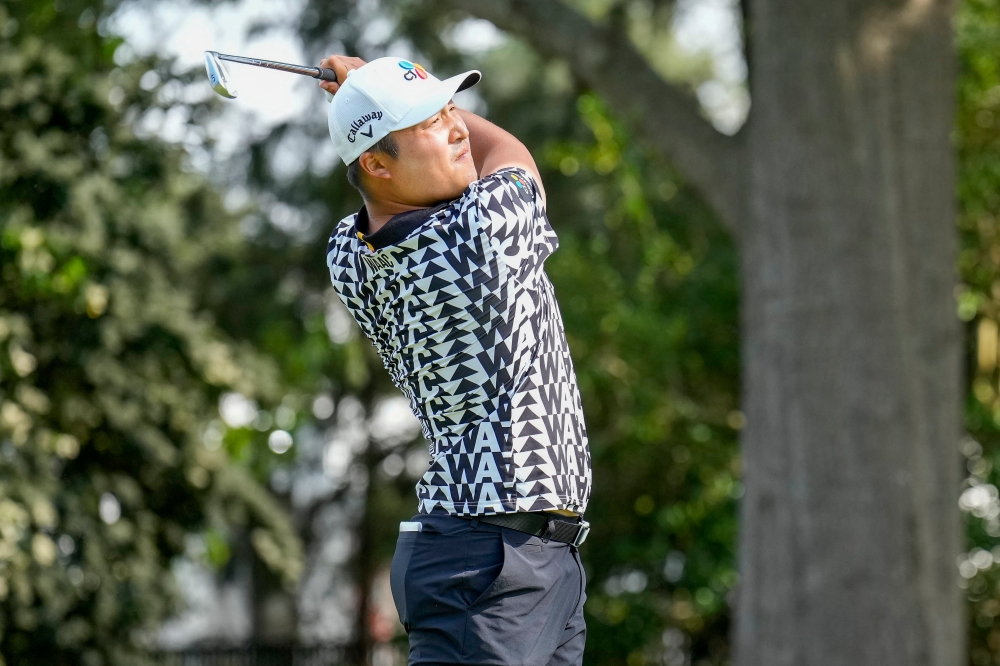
548	526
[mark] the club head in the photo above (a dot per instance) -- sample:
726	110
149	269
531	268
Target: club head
218	77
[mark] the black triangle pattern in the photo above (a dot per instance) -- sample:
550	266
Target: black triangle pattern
467	324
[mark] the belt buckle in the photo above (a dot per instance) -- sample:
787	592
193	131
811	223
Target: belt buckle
581	534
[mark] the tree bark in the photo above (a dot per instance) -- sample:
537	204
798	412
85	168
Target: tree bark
364	560
851	345
843	196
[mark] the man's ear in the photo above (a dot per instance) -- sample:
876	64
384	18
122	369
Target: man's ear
374	165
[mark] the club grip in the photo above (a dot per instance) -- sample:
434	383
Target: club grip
327	74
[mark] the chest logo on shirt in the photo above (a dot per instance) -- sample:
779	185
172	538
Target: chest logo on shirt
377	262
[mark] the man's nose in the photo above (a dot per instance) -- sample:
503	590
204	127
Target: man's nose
458	129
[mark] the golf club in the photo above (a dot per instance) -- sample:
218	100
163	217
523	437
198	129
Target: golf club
222	84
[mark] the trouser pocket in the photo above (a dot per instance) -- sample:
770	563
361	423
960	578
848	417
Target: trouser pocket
397	574
489	561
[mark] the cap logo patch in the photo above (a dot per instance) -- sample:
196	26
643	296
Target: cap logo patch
361	122
412	70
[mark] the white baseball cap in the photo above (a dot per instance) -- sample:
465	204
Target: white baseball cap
386	95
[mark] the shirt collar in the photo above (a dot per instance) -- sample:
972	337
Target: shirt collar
396	229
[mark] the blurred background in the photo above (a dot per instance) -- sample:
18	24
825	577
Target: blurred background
202	458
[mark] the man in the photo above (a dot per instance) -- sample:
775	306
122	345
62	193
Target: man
443	268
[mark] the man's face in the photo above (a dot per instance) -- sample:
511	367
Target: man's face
435	160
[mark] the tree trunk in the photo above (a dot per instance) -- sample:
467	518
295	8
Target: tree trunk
275	619
851	344
365	561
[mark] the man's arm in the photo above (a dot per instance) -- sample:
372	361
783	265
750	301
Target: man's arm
494	148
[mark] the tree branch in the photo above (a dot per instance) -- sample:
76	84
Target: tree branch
605	61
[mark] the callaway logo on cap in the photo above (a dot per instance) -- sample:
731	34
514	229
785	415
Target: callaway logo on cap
386	95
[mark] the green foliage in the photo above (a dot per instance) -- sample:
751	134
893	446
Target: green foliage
978	135
646	280
110	369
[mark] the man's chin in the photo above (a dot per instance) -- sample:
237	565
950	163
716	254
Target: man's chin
454	194
457	186
463	182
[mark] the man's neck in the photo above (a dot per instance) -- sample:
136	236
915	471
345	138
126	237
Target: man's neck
380	212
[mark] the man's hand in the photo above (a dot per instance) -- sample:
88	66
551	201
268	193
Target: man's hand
341	65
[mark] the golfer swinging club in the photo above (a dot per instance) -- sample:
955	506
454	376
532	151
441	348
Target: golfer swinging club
443	268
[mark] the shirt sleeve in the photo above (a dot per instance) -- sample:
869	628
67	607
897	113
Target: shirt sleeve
511	211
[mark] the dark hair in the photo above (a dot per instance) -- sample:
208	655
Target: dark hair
386	145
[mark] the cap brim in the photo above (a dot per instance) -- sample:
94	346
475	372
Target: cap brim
466	80
437	100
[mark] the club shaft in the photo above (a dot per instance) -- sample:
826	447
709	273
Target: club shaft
314	72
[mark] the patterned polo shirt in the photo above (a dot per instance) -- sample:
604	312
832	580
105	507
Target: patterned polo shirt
456	301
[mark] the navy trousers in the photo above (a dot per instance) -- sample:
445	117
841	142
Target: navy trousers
472	593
